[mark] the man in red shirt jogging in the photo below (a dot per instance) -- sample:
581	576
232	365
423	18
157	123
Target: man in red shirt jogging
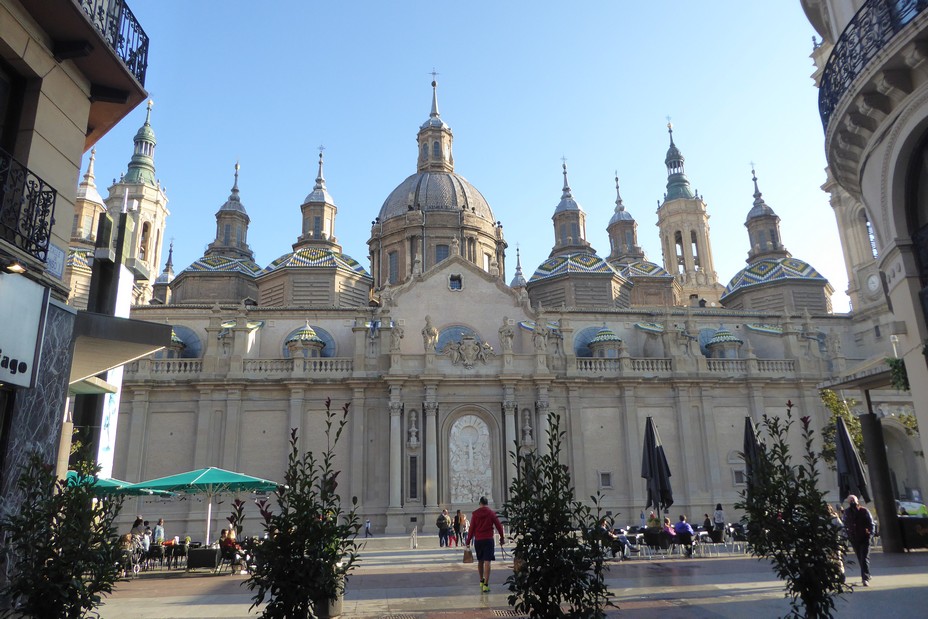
482	523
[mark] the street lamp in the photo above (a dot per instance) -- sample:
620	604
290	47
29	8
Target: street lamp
894	339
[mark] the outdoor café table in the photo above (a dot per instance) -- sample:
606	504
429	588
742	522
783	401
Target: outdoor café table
173	553
203	557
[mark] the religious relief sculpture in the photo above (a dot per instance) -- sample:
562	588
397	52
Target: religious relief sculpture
413	429
470	463
833	345
396	336
506	333
429	335
468	351
455	247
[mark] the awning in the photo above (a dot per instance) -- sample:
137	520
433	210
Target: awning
103	342
872	374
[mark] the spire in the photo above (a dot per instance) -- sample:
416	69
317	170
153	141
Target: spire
760	208
319	192
620	213
167	275
677	184
142	165
88	187
567	202
434	113
518	280
234	203
565	192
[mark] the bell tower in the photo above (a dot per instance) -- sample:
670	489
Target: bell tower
684	230
140	195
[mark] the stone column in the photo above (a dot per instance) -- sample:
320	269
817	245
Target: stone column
201	455
430	427
541	428
396	453
510	446
138	427
356	438
232	429
295	419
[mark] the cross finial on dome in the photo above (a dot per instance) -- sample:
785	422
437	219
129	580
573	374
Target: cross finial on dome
670	129
434	113
148	113
566	188
754	178
619	206
235	184
320	179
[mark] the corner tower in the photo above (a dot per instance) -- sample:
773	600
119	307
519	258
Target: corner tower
140	195
684	230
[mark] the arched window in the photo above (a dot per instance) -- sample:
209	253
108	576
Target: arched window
425	151
695	247
678	245
436	150
393	269
629	240
226	234
143	241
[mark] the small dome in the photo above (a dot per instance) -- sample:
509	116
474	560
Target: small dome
567	202
770	270
316	257
306	334
176	341
435	191
605	335
80	259
723	336
621	214
572	263
222	264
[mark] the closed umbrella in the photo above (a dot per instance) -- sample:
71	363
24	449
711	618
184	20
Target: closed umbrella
753	455
655	470
851	479
209	481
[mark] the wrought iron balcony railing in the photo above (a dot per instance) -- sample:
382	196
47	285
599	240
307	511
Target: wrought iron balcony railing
119	27
875	25
27	208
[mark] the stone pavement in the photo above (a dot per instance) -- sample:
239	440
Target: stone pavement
434	584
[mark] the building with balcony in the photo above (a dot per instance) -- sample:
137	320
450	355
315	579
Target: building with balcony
69	71
449	369
871	69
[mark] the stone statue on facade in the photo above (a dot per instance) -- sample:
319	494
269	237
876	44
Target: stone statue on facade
527	437
429	335
540	334
413	429
833	345
396	336
506	333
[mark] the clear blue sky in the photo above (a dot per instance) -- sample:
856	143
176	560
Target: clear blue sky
520	84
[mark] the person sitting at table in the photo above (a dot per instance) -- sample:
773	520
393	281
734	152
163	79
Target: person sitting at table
668	528
138	527
230	545
684	535
653	521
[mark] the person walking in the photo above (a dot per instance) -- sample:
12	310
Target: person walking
858	524
457	525
482	523
367	528
718	524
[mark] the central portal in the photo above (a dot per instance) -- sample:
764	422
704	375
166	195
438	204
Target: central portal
470	463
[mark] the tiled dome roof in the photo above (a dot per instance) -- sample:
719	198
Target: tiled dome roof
772	270
316	257
572	263
222	264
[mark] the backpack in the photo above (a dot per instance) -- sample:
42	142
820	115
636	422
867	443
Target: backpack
441	522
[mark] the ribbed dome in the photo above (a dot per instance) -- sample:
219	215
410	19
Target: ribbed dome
435	191
723	336
605	335
306	334
772	270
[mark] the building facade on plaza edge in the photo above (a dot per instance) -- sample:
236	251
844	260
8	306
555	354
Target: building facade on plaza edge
440	394
873	101
67	76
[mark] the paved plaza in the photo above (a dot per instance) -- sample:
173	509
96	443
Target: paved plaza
432	583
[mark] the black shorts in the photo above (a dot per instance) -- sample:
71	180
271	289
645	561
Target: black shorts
484	549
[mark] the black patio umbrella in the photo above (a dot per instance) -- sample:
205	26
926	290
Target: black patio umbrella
851	479
655	470
753	455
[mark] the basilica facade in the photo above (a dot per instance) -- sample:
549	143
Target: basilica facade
451	366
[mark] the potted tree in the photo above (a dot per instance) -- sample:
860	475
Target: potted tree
310	544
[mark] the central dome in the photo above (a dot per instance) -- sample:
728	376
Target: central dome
435	191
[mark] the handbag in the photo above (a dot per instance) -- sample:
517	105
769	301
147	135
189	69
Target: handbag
468	556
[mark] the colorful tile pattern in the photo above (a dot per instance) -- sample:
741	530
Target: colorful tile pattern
573	263
314	257
772	270
222	264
